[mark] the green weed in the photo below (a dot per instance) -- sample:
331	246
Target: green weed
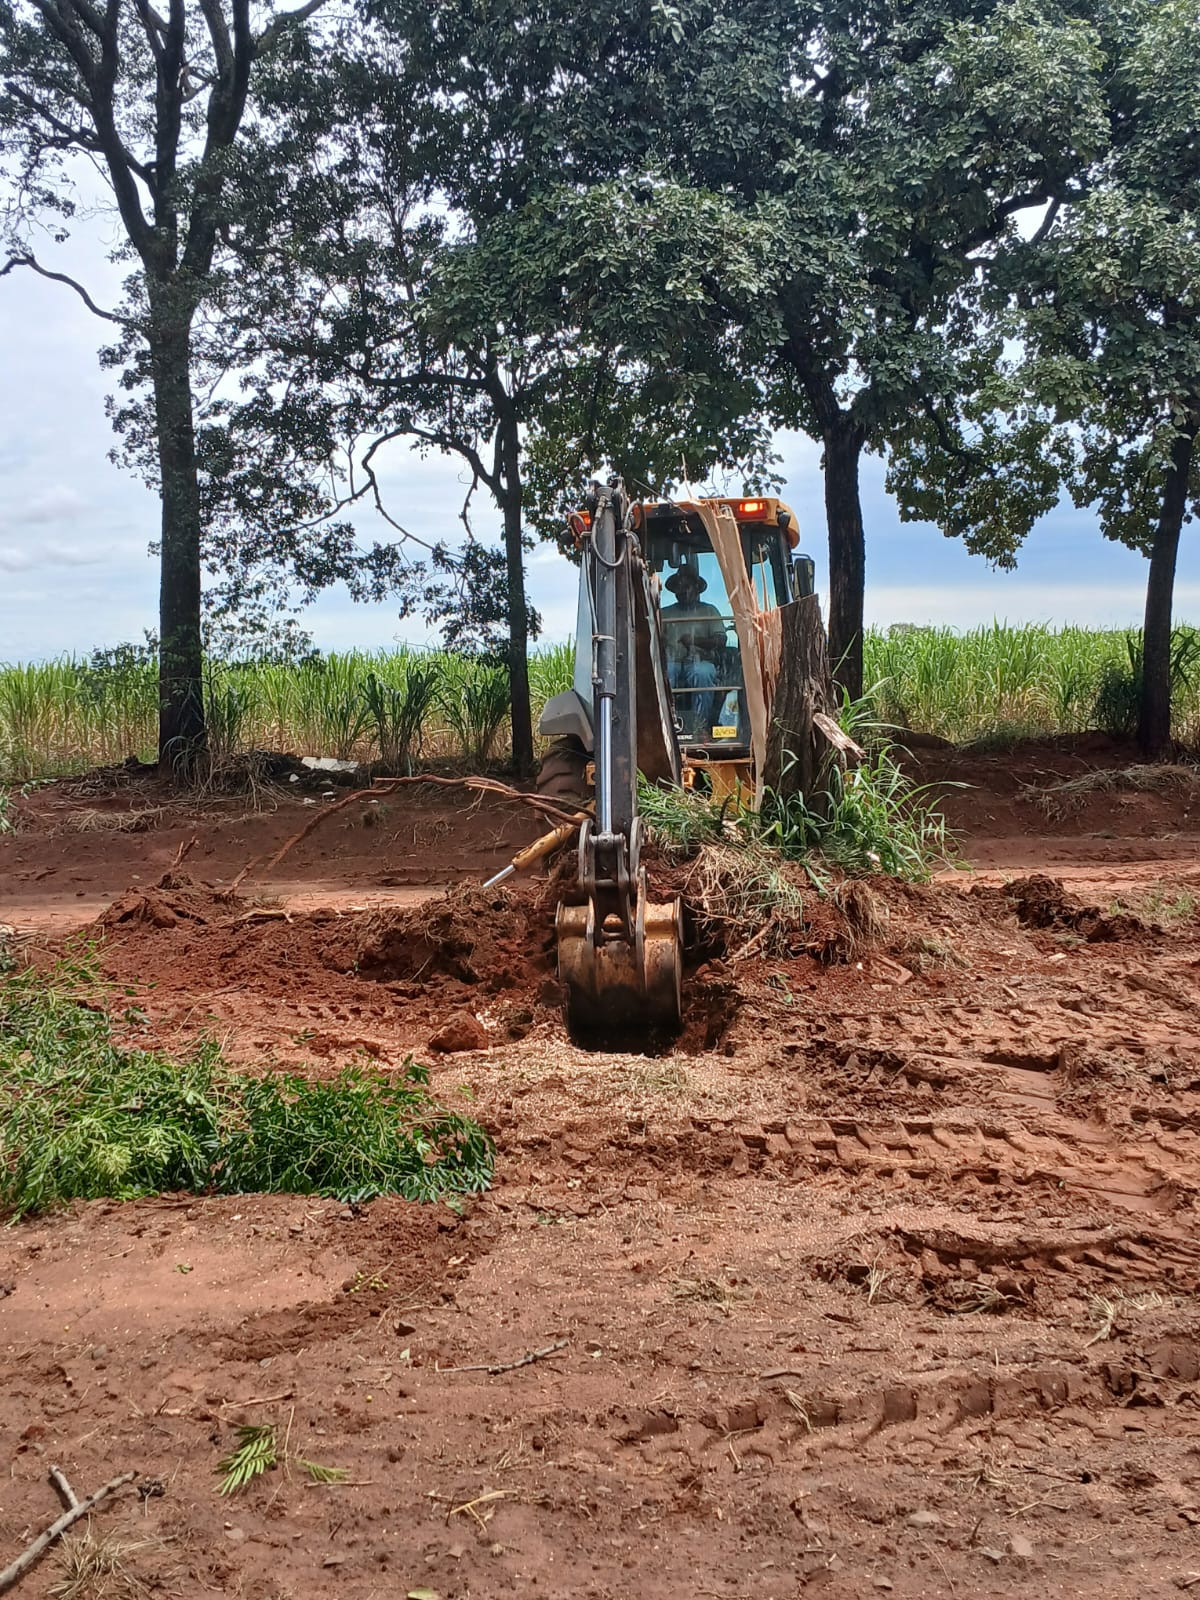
679	820
870	819
397	712
474	698
84	1118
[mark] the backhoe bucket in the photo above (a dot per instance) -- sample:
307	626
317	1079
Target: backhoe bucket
616	987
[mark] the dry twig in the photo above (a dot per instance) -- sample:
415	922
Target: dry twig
511	1366
75	1509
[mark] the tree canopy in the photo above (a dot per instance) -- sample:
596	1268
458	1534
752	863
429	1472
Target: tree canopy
1084	375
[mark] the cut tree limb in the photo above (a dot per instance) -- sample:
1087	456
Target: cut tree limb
79	1508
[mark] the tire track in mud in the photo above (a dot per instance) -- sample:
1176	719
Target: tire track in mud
1153	1165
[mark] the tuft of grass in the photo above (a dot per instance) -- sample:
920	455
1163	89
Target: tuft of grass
1108	1314
744	891
95	1568
870	819
91	820
706	1291
475	700
84	1118
679	821
397	713
1058	800
658	1077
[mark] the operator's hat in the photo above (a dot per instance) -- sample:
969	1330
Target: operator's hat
676	578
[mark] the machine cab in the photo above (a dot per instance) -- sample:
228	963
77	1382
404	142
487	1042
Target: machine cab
700	638
701	651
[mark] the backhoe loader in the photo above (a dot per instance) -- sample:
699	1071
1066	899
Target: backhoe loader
677	652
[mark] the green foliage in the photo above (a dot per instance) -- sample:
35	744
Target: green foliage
258	1450
228	707
991	682
256	1453
680	820
474	697
397	712
319	1474
1118	698
1000	683
870	819
1078	363
84	1118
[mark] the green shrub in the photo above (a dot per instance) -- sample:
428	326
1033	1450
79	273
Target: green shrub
84	1118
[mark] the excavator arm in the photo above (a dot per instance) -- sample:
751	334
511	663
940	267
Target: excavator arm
620	954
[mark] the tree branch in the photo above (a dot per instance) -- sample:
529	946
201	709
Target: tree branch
79	138
1047	221
61	277
285	18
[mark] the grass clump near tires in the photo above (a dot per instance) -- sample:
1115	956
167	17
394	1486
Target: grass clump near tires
83	1117
871	818
745	873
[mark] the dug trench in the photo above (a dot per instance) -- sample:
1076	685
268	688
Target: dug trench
887	1280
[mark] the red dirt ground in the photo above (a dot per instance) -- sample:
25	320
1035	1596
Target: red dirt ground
885	1281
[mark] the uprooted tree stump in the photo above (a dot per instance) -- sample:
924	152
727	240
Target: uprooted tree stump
804	740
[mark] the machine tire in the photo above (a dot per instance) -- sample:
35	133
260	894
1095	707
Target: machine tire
563	773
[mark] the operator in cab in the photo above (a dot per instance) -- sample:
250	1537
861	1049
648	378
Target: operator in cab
694	635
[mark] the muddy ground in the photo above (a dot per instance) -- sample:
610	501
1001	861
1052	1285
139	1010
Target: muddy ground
884	1281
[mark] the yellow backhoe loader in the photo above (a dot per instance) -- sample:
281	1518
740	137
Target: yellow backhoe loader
678	650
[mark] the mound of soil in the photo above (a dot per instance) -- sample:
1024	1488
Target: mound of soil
499	939
175	898
408	970
1042	902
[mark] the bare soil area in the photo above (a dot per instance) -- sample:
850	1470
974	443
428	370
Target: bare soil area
885	1280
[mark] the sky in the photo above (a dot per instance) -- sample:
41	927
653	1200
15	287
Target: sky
75	574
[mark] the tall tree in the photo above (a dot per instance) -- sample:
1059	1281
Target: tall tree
1086	373
875	153
153	103
405	295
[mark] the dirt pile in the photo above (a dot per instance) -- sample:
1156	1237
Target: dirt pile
176	898
495	938
1042	902
465	952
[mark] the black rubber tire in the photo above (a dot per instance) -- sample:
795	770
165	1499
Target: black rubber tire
563	772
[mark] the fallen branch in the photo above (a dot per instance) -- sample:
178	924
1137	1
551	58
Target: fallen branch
184	850
69	1498
556	810
75	1510
511	1366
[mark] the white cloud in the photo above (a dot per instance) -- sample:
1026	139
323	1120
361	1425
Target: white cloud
1009	599
60	503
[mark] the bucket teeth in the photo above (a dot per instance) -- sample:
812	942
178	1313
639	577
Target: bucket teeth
617	987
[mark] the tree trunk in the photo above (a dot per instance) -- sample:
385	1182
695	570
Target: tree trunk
518	611
803	739
1154	709
847	554
180	656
